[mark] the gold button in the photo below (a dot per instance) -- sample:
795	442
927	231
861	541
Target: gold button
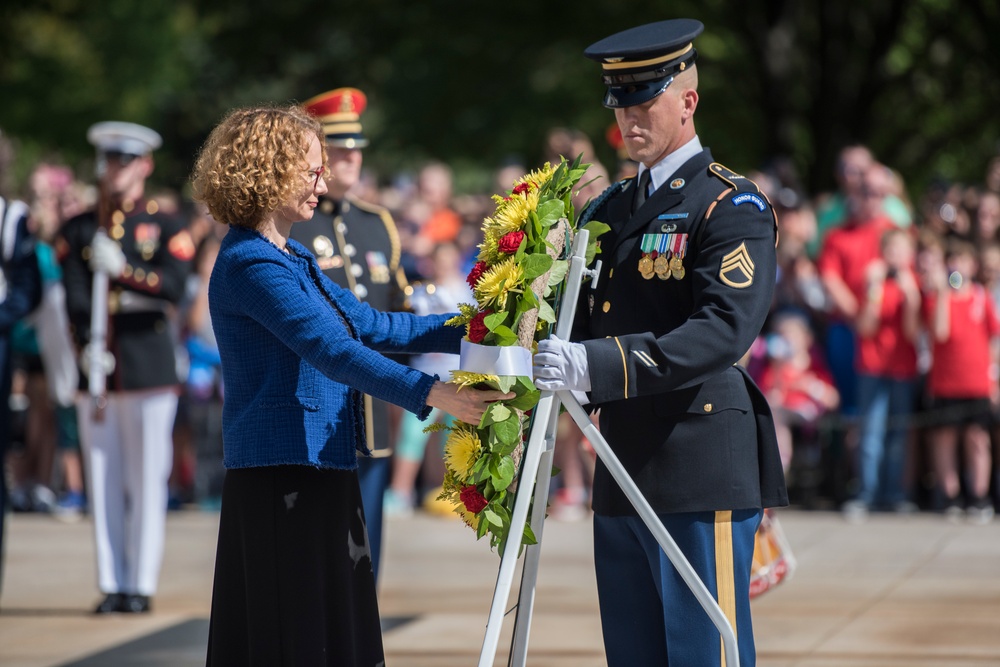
708	407
117	218
611	273
607	306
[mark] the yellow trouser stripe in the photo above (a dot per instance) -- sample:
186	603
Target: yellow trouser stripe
724	575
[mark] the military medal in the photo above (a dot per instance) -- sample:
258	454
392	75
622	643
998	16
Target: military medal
677	267
662	267
646	262
679	249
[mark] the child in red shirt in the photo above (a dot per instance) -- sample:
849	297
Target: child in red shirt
795	380
887	325
962	383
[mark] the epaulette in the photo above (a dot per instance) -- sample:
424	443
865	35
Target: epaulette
736	181
595	204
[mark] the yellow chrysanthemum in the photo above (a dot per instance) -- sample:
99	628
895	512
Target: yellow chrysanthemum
538	177
493	286
462	450
469	379
512	214
471	520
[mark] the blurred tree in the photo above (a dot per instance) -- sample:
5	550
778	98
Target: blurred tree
474	84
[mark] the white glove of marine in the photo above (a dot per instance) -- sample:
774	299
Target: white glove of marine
560	365
106	255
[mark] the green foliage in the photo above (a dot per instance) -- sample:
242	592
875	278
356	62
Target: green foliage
915	80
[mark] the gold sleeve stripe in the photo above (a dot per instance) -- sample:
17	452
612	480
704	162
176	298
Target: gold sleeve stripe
724	576
624	365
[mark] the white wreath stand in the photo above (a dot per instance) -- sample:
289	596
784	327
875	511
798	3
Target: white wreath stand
536	466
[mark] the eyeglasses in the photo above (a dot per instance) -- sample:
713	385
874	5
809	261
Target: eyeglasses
316	174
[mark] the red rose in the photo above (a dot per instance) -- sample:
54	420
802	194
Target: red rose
521	189
477	271
477	328
474	501
510	242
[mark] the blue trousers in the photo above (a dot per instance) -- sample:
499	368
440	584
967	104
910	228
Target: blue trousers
885	406
373	474
648	614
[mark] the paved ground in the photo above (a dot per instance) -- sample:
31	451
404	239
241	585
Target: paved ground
893	592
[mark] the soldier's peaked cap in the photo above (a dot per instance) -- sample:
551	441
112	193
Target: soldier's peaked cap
640	63
119	137
339	111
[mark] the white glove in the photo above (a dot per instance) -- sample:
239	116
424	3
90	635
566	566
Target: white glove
560	365
106	255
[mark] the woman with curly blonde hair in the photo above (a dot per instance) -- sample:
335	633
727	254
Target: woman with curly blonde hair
293	574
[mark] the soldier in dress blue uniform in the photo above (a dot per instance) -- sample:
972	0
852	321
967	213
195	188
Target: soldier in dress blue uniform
357	246
127	435
686	282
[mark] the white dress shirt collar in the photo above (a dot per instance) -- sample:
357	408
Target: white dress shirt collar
661	172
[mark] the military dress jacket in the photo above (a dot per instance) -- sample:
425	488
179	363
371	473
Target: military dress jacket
158	250
684	288
356	244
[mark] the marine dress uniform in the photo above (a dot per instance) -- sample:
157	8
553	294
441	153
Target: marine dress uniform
357	246
687	273
128	444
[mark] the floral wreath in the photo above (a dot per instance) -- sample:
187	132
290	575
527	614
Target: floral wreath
516	282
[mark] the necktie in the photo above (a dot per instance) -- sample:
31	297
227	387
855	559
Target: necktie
642	190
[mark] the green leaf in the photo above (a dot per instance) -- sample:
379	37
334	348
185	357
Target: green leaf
493	517
546	313
527	302
494	320
536	265
504	336
499	412
550	211
596	229
560	268
529	535
481	528
506	474
509	430
505	383
525	401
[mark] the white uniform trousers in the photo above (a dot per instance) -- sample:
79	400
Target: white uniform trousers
128	459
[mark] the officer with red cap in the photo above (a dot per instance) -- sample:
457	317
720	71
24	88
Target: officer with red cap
357	246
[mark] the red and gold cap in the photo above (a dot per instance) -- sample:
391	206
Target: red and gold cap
339	111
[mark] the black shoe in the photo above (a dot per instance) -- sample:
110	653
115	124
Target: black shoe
112	602
135	604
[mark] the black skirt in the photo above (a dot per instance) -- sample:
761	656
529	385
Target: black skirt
293	571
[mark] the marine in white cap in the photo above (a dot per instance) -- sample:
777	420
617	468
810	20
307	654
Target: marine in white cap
126	431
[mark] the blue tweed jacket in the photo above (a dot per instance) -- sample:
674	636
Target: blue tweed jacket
297	351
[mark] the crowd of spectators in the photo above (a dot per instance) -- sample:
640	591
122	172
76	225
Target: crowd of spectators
880	358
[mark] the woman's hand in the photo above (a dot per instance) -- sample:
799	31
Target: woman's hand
467	405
